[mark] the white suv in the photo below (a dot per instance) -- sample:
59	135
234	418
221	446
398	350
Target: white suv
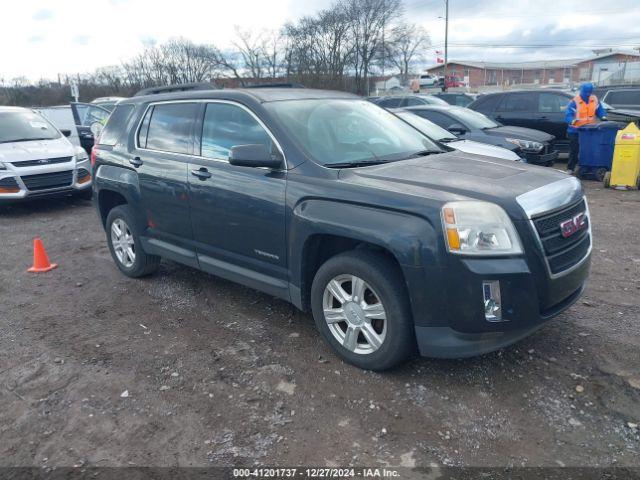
36	159
428	80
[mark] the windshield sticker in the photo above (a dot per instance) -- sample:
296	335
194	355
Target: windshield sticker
38	125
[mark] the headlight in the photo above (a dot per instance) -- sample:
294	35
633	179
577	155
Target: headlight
479	228
81	154
526	144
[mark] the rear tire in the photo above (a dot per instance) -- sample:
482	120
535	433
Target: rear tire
125	245
601	173
373	328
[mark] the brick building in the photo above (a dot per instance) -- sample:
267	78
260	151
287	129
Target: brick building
602	67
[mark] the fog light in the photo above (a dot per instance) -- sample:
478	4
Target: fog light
491	300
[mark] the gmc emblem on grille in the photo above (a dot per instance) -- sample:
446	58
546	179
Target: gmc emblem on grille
571	226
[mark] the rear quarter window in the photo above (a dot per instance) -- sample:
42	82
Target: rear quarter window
517	103
116	125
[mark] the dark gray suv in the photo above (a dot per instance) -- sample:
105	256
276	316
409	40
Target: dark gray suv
393	242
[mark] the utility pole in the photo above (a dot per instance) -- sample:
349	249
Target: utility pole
446	43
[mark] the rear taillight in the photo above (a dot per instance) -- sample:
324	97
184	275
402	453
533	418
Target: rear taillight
94	152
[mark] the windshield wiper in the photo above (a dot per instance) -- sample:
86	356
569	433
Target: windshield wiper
449	140
23	140
360	163
424	153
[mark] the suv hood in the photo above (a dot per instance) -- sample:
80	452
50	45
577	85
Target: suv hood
469	146
36	150
520	132
457	176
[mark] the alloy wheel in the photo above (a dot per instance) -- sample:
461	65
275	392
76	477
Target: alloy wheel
355	314
123	243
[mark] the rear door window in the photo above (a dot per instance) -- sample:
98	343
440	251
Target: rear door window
486	103
117	125
517	103
225	126
171	127
551	103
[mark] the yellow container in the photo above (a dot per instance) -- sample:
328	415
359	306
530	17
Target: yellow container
625	170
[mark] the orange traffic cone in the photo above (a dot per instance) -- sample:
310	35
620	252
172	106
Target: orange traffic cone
40	260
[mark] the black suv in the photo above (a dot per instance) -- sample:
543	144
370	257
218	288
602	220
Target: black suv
336	205
542	110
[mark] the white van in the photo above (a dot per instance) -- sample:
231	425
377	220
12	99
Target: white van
37	160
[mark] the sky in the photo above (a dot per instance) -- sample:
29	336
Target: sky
42	38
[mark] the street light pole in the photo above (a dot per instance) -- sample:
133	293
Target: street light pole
446	43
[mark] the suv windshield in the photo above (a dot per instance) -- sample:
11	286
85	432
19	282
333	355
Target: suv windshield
473	119
430	129
339	132
24	126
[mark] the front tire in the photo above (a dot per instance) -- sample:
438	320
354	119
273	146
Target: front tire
125	245
361	307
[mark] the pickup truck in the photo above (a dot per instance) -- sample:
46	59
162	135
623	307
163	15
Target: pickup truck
394	243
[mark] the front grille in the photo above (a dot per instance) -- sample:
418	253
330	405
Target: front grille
563	253
45	181
548	147
43	161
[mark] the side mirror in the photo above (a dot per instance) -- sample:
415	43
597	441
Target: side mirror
66	132
254	156
457	129
96	128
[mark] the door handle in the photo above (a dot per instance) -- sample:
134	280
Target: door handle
201	173
135	161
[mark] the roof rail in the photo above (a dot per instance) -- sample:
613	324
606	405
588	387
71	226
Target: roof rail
276	85
180	87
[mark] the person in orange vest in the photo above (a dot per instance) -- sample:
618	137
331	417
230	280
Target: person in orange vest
584	109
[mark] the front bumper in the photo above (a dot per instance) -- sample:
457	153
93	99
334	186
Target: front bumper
28	183
446	342
448	300
540	158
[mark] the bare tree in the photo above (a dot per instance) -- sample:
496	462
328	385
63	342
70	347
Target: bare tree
319	49
368	21
407	44
272	51
251	48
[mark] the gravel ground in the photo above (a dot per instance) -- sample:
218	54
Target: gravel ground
183	368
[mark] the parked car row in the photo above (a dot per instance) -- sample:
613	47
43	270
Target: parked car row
533	120
534	146
441	135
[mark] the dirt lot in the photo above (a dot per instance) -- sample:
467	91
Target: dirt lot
217	374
